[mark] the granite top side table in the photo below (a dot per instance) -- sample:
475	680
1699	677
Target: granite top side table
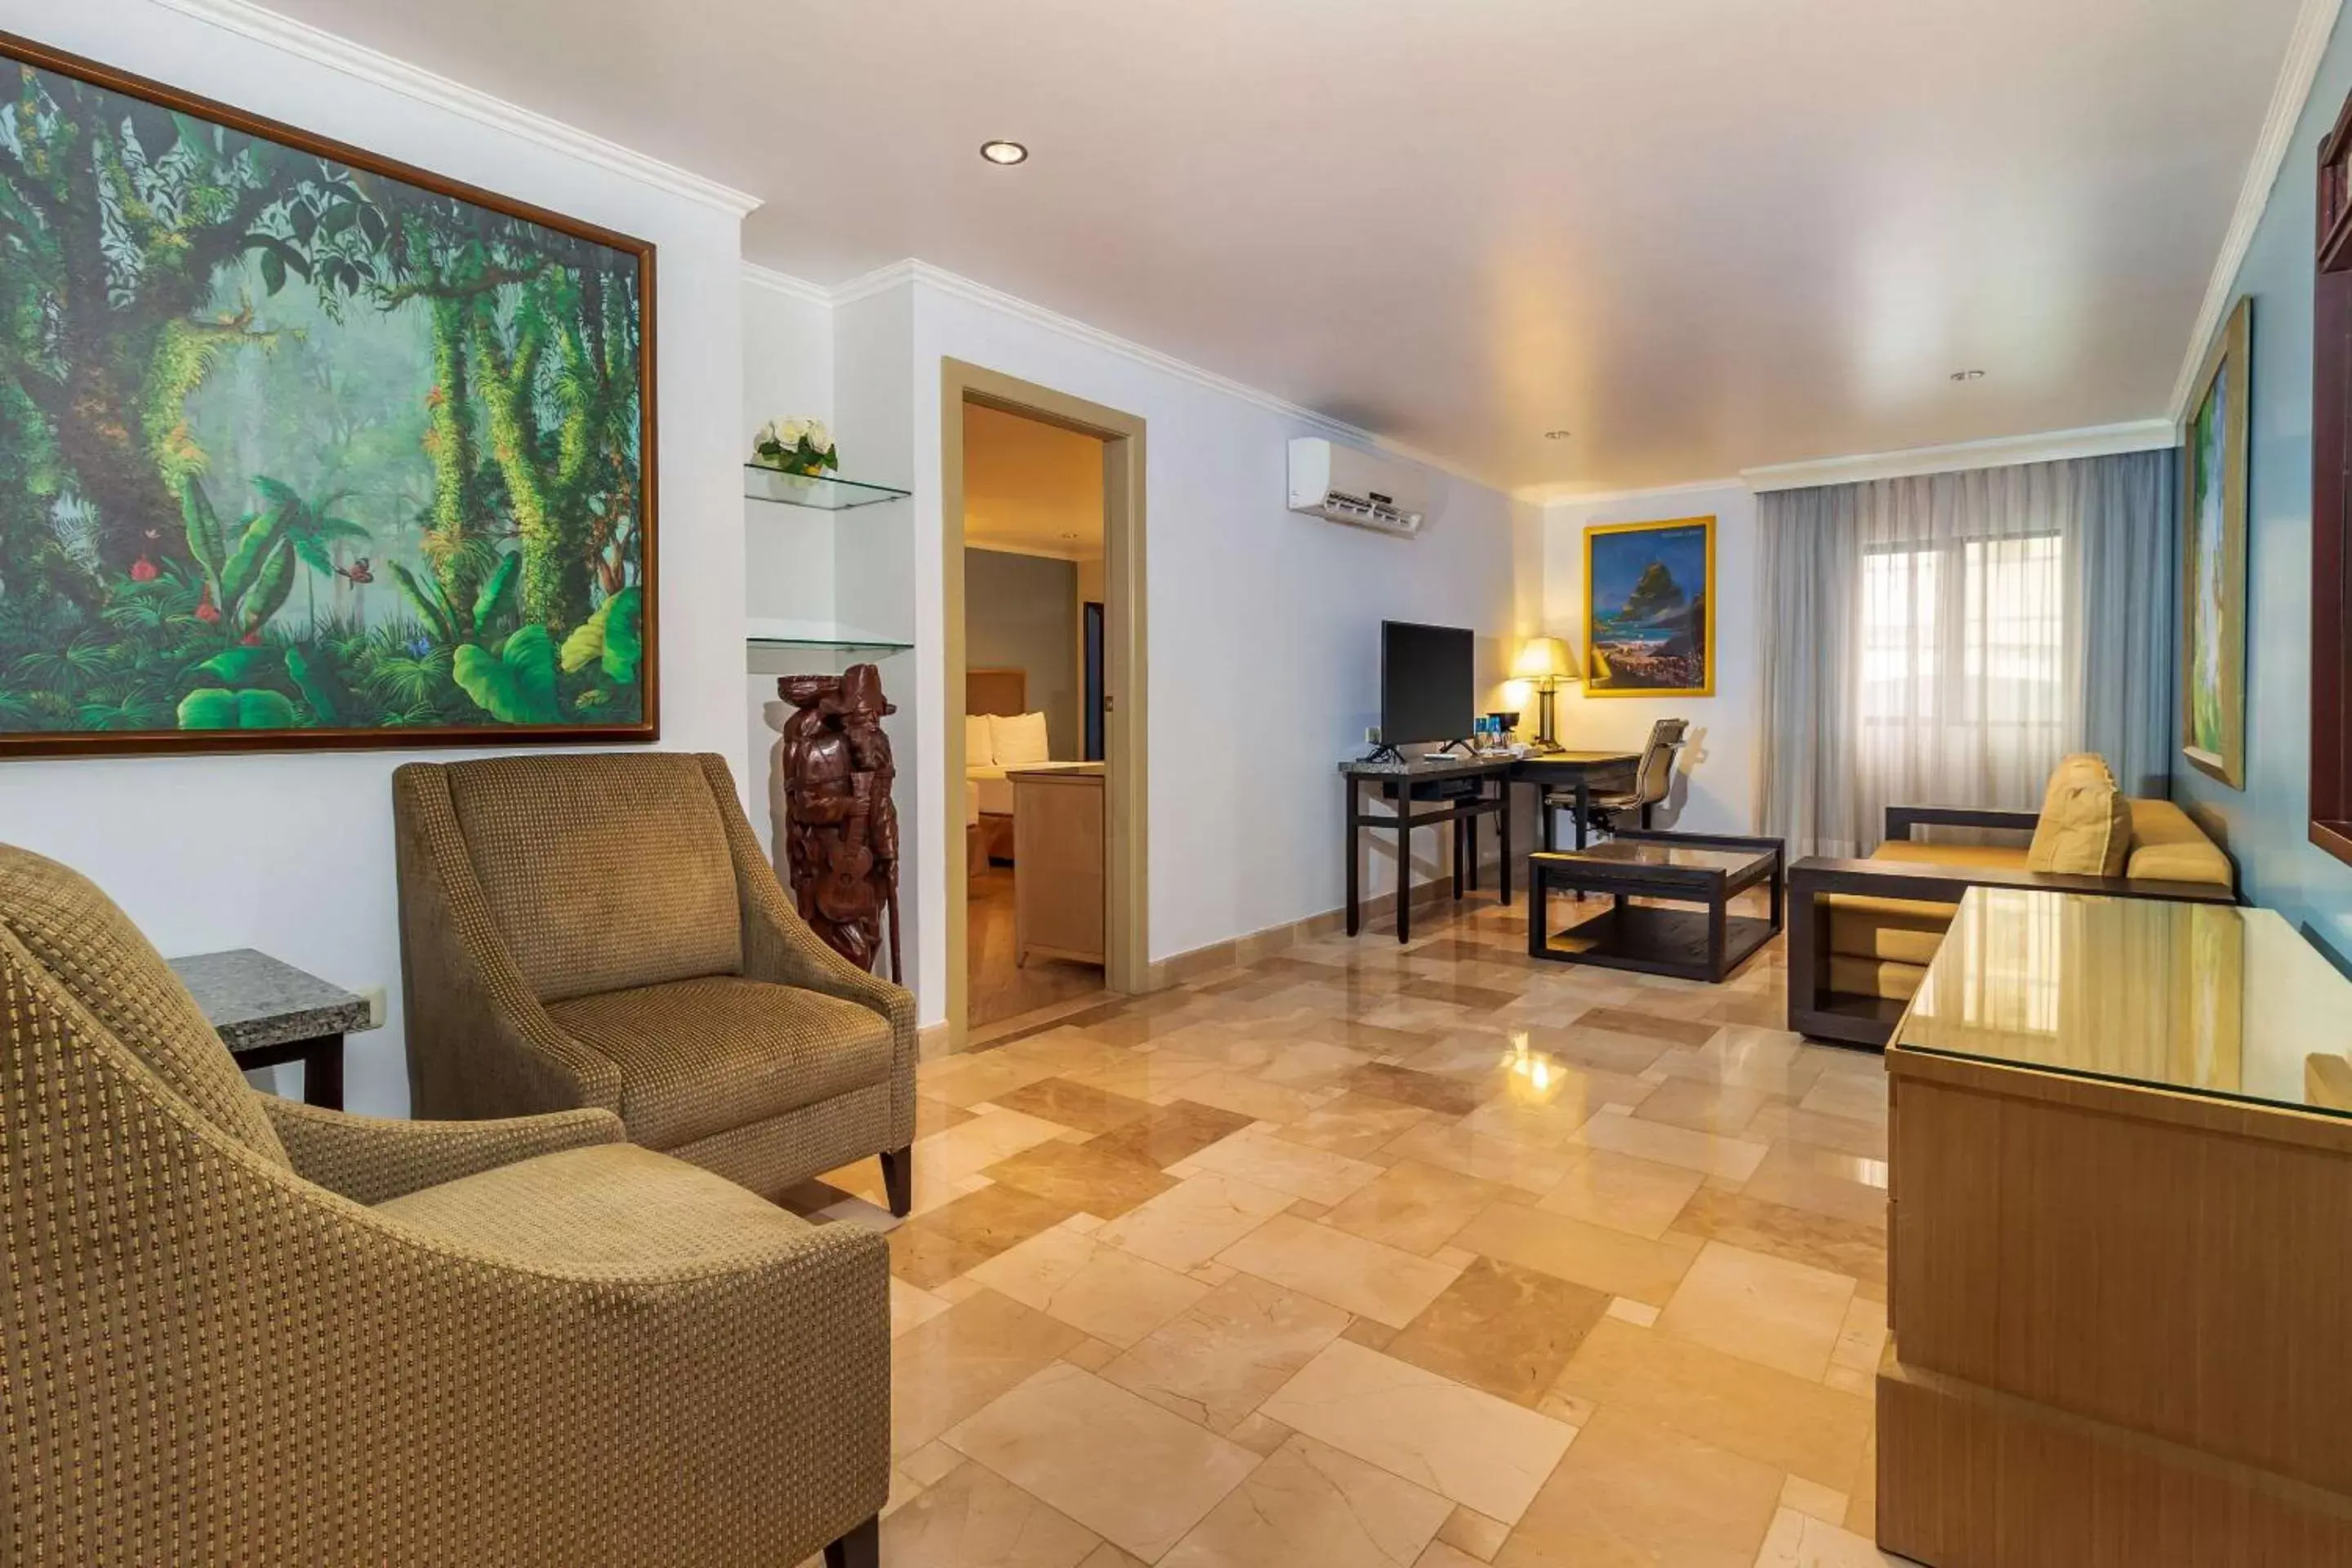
268	1012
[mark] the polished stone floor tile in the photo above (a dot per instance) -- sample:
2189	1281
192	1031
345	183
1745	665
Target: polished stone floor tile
1193	1221
975	1519
1311	1504
1100	1290
1365	1277
1075	1104
1294	1168
1633	1491
1733	1158
1797	1541
1171	1133
1621	1192
1415	1207
1762	1308
1484	1452
1354	1125
1122	1466
932	1249
1218	1361
1501	1327
1481	1154
1801	1236
1086	1177
1600	1258
1772	1416
1842	1186
1330	1255
944	1369
1430	1092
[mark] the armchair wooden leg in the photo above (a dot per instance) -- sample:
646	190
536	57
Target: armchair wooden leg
861	1548
898	1179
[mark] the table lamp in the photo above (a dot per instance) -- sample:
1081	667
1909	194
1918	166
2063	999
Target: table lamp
1547	662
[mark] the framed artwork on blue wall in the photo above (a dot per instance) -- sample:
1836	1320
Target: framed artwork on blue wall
2213	557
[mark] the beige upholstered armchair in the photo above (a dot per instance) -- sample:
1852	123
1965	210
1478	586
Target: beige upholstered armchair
239	1330
602	930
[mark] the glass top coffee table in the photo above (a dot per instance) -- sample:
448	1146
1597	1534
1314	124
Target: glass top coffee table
1707	870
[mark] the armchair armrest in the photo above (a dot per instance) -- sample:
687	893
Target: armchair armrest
1901	819
370	1159
779	948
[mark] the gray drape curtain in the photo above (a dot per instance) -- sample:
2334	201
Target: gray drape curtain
1944	641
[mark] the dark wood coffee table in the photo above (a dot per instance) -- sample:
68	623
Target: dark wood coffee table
1706	870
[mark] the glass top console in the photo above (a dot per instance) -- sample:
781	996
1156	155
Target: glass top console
2204	999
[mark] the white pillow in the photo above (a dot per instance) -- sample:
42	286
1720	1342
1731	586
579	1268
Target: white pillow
979	741
1020	740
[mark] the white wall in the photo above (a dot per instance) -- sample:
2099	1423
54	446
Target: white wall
1264	626
1716	789
293	854
788	552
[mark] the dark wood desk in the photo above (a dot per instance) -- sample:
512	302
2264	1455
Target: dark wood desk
1439	783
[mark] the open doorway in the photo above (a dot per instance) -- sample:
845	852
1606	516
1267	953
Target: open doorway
1043	521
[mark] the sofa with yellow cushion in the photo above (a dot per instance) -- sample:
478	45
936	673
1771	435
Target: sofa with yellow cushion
1862	932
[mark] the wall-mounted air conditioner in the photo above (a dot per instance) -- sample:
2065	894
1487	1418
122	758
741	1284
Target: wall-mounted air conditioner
1347	484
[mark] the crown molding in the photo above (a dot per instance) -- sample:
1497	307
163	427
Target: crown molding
881	279
784	283
298	39
2001	452
1553	495
2313	25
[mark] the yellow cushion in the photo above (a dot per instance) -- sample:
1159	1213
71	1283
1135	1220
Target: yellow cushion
2085	825
1871	977
1907	930
2167	846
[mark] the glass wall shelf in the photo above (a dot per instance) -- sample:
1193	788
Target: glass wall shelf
816	636
832	645
821	494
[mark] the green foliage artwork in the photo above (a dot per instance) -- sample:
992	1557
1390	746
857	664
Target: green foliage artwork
301	447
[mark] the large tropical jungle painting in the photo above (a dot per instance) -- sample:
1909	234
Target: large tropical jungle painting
299	448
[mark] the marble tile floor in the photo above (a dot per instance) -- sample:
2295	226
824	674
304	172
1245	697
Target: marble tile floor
1393	1256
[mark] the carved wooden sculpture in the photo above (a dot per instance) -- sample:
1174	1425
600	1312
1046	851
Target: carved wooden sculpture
841	827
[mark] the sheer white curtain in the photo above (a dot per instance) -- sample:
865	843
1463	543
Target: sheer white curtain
1944	641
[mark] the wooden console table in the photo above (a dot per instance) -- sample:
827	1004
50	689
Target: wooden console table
1058	880
2120	1242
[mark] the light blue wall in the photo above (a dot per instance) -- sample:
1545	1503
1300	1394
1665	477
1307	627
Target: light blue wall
2263	827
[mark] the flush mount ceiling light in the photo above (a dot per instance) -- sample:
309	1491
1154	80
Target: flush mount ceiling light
1968	375
1555	435
1005	152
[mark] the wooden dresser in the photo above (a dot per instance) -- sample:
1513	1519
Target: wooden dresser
1058	857
2120	1243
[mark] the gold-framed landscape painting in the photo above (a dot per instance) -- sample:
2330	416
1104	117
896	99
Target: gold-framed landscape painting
2213	556
304	448
1649	608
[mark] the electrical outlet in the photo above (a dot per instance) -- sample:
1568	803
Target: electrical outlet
379	1004
1372	734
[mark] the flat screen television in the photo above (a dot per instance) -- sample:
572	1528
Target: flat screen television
1428	691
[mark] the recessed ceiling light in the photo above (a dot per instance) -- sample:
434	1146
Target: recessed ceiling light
1968	375
1005	152
1556	435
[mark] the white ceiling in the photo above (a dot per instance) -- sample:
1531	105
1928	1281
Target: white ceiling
1031	488
1701	235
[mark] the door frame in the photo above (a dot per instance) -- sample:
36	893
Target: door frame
1127	948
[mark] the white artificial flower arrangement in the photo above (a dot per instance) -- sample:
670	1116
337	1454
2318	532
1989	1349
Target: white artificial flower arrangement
795	445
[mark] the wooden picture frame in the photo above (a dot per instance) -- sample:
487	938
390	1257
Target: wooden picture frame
1655	636
479	566
2214	555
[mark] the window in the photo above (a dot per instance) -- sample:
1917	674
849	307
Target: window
1966	635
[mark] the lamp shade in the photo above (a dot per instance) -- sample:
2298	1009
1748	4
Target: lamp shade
1544	659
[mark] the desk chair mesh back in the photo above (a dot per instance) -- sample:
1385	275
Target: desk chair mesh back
1652	778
